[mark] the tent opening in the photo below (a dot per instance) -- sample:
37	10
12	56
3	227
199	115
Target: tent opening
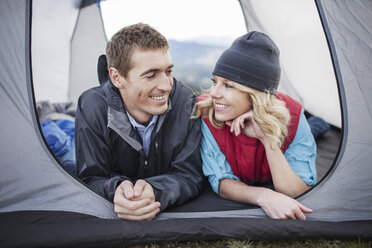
65	59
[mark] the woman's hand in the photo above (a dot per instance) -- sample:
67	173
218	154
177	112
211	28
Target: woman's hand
280	206
246	124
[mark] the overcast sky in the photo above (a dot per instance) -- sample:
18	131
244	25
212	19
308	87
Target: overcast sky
177	19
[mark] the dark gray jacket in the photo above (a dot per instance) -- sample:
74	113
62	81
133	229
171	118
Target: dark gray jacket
109	150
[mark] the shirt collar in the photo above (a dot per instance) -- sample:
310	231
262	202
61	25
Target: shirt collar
137	125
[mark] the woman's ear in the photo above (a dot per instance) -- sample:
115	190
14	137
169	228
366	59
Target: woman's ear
116	79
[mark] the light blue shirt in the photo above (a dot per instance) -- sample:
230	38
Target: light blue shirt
144	131
300	154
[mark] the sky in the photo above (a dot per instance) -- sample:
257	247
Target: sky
178	19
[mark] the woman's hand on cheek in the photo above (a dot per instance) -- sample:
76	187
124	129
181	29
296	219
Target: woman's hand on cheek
246	124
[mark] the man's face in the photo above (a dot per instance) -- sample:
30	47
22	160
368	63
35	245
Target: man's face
147	85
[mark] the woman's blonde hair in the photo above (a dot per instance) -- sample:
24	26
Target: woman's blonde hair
269	113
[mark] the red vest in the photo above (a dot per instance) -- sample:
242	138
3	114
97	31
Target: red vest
247	156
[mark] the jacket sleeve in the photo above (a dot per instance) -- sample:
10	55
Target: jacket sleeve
184	179
92	146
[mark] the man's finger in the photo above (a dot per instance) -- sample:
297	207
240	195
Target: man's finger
145	213
127	187
148	192
148	216
139	187
125	206
147	209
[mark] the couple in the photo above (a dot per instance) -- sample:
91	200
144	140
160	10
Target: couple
141	144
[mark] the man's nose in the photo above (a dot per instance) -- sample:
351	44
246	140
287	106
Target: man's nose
165	83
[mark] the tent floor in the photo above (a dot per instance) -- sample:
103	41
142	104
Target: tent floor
327	148
67	229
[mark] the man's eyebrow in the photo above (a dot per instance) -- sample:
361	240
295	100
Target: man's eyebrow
155	70
148	71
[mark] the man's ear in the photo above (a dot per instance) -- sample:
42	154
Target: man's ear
116	78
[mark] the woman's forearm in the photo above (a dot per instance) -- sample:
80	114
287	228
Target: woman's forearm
239	191
276	205
285	180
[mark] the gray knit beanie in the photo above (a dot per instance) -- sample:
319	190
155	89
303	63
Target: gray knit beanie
252	60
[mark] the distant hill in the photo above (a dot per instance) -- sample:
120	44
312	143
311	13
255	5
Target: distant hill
194	62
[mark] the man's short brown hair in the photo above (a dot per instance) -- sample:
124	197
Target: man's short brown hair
120	48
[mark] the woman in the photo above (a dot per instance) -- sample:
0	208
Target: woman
253	135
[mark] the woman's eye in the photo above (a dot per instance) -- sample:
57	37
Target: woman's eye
228	86
213	81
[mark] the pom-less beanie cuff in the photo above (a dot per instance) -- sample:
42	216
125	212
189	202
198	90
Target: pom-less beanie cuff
252	60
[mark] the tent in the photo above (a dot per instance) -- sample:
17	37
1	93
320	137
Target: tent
41	204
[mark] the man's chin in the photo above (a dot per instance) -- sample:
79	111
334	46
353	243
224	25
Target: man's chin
160	110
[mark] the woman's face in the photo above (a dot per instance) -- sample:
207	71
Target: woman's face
229	102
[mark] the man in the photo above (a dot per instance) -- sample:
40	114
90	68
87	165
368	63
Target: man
135	142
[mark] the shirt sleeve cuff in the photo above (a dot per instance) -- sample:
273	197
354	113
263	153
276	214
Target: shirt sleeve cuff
215	181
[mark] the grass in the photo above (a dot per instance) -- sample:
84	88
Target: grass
232	243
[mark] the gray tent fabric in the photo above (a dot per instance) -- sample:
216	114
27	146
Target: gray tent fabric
82	45
39	199
31	179
348	187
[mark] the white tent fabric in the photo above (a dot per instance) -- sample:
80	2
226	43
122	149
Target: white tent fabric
65	49
308	72
88	43
53	25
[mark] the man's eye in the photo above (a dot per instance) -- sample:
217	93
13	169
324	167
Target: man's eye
169	72
151	76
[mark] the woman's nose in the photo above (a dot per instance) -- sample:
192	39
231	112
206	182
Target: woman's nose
215	91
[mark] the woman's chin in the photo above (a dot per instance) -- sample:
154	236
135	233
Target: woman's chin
223	119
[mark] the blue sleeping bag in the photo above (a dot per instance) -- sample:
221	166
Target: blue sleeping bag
60	136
